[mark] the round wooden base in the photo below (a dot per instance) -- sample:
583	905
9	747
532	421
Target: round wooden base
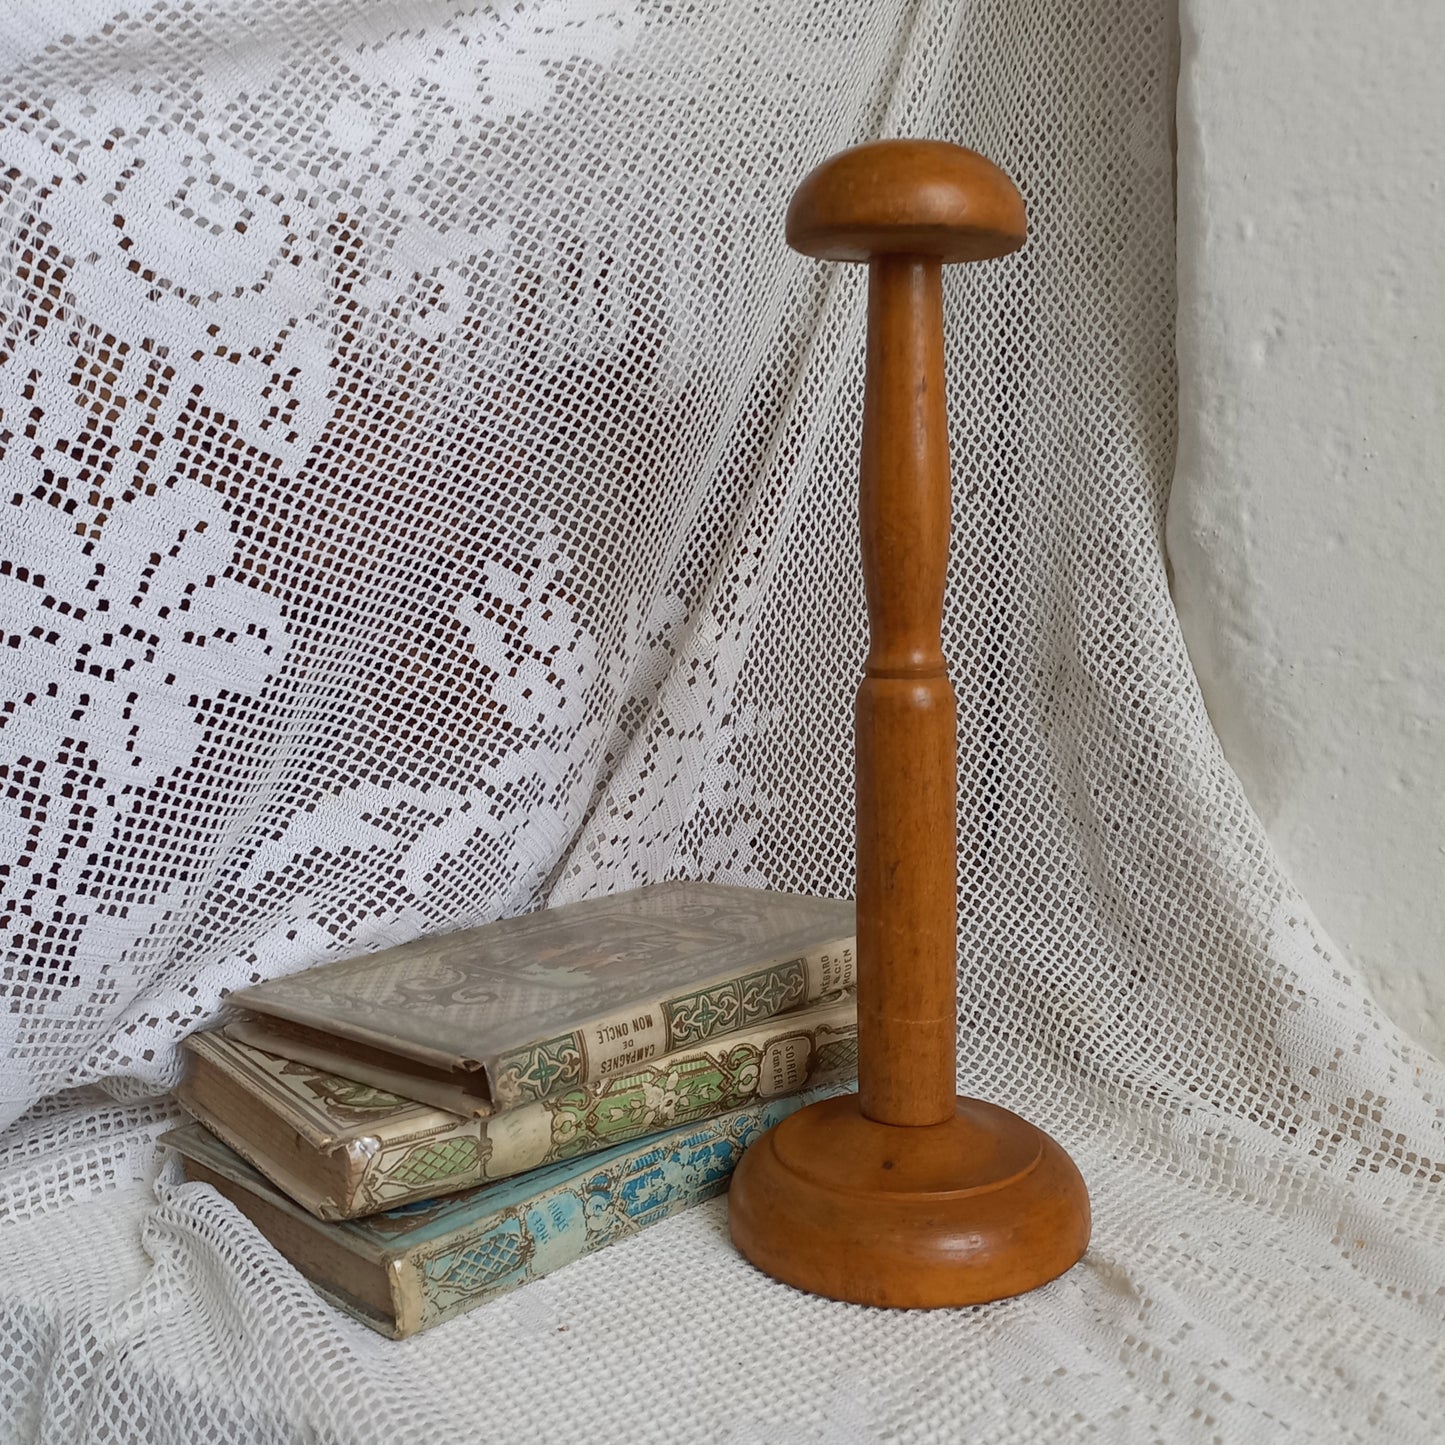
977	1208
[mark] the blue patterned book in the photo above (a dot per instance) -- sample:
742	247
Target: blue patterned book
413	1267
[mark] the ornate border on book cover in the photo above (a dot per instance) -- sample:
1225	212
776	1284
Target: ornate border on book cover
606	1204
694	1017
540	1069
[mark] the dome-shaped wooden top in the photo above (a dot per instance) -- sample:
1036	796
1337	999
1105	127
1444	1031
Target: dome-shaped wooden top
910	198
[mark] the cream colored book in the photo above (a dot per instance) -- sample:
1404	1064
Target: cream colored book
486	1019
343	1149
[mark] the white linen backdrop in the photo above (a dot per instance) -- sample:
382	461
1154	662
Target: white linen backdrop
429	494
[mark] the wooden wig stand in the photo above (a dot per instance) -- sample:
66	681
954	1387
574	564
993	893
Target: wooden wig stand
904	1194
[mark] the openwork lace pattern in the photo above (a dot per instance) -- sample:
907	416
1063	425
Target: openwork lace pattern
427	492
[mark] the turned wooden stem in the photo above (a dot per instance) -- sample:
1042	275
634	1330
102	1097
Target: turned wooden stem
906	724
902	1194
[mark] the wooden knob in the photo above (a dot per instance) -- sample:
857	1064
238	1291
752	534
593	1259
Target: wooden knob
906	1194
921	198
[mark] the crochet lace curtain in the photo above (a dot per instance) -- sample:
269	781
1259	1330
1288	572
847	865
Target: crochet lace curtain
429	493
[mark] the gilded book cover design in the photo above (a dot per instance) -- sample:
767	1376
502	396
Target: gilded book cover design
370	1150
540	1004
441	1257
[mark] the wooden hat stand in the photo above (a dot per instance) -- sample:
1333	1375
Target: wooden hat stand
904	1194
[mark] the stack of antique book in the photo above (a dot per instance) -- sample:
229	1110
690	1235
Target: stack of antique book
422	1128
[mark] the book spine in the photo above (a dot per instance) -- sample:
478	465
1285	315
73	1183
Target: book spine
587	1212
709	1078
325	1182
634	1036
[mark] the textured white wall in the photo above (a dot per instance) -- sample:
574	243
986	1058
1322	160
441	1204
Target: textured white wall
1307	523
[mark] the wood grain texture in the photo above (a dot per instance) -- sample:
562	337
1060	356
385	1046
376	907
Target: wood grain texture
906	198
974	1209
905	1195
906	717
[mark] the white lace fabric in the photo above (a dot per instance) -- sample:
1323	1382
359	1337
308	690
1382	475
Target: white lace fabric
429	493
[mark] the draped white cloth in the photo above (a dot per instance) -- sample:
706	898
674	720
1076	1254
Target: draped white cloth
429	491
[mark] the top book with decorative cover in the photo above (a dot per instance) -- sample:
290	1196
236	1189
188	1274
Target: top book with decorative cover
518	1010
